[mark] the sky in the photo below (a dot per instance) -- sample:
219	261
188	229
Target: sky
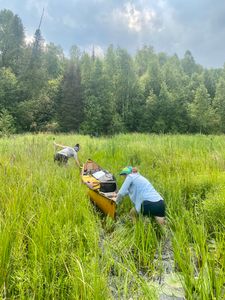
170	26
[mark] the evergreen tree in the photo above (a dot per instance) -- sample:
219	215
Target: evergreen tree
114	120
92	111
219	103
11	40
155	79
165	111
142	60
70	103
54	61
201	111
210	78
189	65
34	77
176	81
98	102
7	124
125	84
149	116
75	54
9	90
148	92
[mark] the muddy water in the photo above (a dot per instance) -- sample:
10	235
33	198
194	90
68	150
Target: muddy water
167	283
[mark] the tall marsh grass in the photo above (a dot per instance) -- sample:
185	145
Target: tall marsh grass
55	245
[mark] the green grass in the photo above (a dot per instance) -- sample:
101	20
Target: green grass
55	245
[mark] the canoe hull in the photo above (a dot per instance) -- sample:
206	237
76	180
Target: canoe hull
102	193
106	205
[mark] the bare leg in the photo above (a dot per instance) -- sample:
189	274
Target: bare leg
160	220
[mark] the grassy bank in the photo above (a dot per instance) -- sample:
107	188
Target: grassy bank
54	245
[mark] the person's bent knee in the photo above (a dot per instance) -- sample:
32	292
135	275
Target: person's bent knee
160	220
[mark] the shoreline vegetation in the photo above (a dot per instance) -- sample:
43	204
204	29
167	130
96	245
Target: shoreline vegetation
55	244
42	89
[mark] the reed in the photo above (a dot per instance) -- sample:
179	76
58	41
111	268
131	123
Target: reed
55	245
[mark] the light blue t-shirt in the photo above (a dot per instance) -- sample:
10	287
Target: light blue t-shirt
139	189
69	152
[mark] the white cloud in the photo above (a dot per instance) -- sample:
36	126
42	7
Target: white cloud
29	39
135	19
37	6
162	4
69	21
99	52
168	25
34	4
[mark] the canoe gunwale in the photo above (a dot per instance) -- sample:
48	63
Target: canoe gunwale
106	204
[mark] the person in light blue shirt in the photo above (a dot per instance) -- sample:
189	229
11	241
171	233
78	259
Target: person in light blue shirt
145	198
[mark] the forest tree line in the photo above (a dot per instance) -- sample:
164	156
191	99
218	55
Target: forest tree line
43	90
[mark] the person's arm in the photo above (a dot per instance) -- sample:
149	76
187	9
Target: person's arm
77	160
58	145
124	189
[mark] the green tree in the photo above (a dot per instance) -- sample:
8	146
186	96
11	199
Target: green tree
114	120
165	111
24	115
11	40
35	77
142	59
147	67
54	61
75	54
150	113
70	100
38	112
189	65
98	100
201	111
211	77
219	103
176	81
7	125
9	90
92	111
125	84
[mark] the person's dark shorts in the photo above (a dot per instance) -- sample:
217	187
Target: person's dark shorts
156	209
60	158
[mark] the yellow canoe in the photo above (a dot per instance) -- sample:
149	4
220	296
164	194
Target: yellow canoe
102	187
